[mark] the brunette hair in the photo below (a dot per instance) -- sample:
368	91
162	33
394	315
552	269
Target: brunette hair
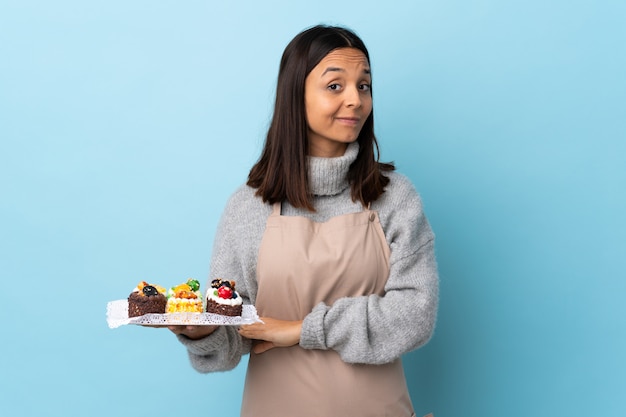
281	173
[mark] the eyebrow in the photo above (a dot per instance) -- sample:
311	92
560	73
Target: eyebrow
338	69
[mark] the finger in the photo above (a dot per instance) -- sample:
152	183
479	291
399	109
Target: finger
245	332
174	329
253	326
249	331
181	329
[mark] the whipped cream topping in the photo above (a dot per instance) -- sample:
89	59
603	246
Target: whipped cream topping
211	295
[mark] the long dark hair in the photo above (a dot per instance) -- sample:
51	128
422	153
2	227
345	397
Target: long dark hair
281	173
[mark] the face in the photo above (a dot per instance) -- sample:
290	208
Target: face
337	100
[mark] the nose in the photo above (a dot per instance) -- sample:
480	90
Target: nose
353	97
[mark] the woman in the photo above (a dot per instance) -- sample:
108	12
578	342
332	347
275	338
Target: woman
330	245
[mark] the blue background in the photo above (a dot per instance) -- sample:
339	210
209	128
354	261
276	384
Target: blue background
125	125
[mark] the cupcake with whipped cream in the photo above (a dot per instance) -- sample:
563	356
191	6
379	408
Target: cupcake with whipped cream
223	299
185	298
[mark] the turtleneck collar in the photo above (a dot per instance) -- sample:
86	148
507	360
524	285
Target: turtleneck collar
328	176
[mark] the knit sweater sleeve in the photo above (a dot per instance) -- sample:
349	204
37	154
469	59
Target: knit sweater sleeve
232	258
379	329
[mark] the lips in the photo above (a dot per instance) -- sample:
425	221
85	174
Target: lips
350	121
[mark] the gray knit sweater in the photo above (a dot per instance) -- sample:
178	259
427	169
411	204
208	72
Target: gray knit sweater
368	329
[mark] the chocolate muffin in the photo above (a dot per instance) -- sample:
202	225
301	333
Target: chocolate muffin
146	300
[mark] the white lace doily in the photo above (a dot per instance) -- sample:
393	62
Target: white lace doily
117	315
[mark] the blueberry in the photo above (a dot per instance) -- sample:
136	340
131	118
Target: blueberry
149	290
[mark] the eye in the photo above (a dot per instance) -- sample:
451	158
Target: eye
365	87
334	87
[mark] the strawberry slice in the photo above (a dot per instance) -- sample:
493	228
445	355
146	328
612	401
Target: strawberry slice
224	292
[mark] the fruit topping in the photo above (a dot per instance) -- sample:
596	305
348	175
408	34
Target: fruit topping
194	284
181	287
184	291
225	292
149	290
143	284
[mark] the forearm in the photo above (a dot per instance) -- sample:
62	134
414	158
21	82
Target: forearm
272	333
374	329
220	351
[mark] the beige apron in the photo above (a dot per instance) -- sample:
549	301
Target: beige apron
300	264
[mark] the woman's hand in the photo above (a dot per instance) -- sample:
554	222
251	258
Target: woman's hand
193	332
272	333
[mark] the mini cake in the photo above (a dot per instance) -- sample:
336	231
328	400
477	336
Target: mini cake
146	299
223	299
185	298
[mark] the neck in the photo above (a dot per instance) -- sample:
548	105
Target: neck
328	176
331	150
